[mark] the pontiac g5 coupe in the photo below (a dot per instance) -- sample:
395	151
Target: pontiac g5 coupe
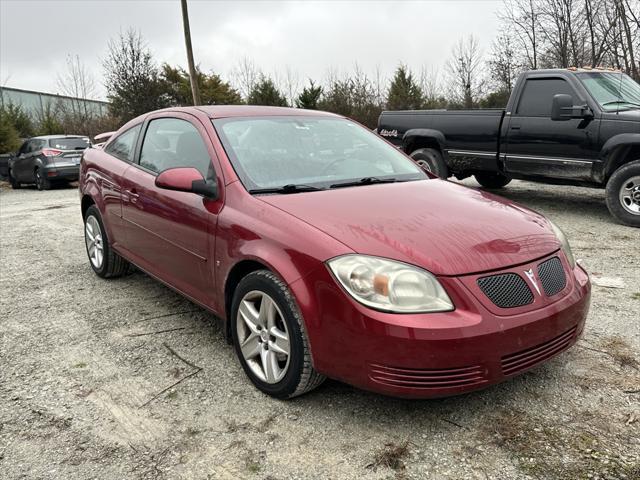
329	253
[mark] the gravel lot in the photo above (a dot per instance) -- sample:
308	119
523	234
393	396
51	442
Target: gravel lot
82	361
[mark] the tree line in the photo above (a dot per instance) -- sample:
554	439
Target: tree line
533	34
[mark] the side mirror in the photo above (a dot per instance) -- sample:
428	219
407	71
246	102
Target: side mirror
187	179
562	108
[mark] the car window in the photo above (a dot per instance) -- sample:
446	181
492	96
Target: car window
171	143
537	96
69	143
270	152
24	148
123	145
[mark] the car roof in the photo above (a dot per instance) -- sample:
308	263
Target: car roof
226	111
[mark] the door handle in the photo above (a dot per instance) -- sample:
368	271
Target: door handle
515	127
131	195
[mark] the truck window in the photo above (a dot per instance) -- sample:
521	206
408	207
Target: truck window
537	95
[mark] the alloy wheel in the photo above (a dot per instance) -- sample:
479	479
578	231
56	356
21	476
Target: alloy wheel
93	239
630	195
263	337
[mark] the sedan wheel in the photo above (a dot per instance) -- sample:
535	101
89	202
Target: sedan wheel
270	337
93	239
263	337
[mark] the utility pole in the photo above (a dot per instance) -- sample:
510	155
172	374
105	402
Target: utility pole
187	40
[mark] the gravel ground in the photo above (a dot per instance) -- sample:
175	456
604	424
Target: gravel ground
82	365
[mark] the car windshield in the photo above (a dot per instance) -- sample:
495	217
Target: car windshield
310	153
69	143
613	91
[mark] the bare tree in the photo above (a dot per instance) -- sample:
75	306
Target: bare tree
465	72
523	17
291	85
77	83
246	75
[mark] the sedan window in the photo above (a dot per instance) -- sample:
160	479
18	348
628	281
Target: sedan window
276	152
172	142
123	145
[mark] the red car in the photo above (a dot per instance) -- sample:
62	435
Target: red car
328	252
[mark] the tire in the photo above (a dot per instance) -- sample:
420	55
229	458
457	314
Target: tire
15	184
42	182
294	374
431	160
111	265
492	180
623	194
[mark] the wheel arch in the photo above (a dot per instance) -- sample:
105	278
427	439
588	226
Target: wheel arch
617	151
423	138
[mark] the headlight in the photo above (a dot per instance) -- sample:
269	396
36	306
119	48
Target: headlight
388	285
566	248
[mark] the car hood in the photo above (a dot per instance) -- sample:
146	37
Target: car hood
441	226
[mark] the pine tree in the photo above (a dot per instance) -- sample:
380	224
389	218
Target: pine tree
266	93
404	92
309	97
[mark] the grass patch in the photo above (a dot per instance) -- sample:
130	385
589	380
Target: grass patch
172	395
391	456
621	351
545	449
635	296
252	462
80	365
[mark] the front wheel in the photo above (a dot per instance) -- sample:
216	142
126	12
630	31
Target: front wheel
492	180
103	260
15	184
269	337
623	194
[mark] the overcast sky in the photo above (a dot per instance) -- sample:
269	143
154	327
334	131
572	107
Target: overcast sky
310	38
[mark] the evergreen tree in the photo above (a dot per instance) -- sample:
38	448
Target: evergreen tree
213	90
9	139
404	92
310	97
266	93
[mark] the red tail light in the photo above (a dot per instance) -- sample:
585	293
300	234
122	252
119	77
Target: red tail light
51	152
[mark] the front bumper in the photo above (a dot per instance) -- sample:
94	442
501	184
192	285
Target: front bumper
437	354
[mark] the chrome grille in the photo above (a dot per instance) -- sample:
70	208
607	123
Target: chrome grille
552	276
506	290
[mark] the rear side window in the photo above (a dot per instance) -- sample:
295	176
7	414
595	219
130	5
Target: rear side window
172	142
69	143
123	145
537	96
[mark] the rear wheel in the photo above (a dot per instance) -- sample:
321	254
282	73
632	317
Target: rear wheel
42	182
15	184
103	260
492	180
623	194
269	337
431	160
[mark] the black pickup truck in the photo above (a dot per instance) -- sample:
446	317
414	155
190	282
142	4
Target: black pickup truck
564	126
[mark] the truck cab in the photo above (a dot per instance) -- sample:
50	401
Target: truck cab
564	126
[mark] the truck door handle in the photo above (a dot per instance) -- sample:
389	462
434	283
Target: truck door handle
515	127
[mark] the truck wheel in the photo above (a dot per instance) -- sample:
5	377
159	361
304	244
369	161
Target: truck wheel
623	194
431	160
492	180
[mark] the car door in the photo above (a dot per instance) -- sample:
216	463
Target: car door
539	146
170	233
19	167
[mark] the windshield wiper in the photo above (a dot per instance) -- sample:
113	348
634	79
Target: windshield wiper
612	102
363	181
289	188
